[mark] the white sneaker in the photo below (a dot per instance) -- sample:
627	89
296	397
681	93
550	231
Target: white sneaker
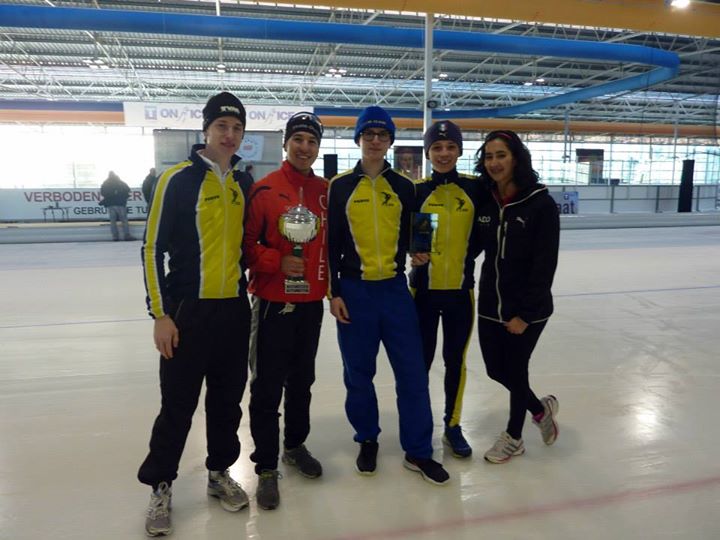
157	521
547	424
505	448
231	494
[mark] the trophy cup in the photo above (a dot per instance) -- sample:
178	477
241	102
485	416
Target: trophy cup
299	225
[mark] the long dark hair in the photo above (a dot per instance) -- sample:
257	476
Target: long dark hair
523	175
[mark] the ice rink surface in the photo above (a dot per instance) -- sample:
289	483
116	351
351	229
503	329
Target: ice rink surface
632	353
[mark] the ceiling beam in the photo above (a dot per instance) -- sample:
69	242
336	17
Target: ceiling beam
699	19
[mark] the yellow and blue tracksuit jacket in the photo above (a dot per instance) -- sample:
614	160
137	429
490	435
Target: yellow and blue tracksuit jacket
197	218
368	225
455	198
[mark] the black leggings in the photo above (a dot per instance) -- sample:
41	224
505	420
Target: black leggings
507	357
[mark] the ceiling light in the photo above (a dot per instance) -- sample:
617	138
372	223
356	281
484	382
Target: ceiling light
220	66
539	80
443	75
527	83
434	79
95	63
681	4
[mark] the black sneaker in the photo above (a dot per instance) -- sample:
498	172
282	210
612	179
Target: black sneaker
366	462
431	471
267	494
303	461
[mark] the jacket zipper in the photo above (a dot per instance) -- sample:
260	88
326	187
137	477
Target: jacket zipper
497	261
223	187
447	234
377	226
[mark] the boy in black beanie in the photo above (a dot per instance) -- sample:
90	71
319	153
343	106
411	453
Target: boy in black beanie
200	309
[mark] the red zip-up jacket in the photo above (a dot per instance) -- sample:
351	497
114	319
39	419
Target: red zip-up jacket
264	246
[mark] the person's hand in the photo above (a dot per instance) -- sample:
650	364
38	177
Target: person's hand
166	336
516	325
419	259
292	266
339	310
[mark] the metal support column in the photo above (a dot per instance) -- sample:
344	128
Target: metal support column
427	111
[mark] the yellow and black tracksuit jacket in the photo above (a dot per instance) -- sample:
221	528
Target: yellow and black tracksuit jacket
197	218
368	225
455	199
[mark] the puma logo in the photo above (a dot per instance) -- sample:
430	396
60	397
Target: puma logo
461	203
386	197
520	220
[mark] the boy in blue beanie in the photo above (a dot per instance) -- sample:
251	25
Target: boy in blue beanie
368	233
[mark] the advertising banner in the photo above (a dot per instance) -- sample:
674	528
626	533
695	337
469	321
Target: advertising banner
189	115
55	205
567	201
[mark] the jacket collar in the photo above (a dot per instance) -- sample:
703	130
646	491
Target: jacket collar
445	178
294	176
360	173
198	160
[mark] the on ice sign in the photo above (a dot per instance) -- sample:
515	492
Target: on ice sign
189	115
163	115
269	117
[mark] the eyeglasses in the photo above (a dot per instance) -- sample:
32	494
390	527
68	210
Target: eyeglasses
369	136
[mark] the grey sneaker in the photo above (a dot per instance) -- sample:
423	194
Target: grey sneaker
303	461
267	494
505	448
547	424
157	520
231	494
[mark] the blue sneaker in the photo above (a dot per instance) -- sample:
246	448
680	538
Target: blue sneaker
453	437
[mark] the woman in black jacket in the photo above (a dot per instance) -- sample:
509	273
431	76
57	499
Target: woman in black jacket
519	229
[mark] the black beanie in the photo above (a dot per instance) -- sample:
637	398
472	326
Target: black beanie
303	121
222	104
443	130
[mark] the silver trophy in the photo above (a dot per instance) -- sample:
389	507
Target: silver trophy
300	226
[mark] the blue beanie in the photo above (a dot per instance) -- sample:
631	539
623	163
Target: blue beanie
374	117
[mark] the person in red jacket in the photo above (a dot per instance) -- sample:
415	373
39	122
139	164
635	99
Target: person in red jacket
286	319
